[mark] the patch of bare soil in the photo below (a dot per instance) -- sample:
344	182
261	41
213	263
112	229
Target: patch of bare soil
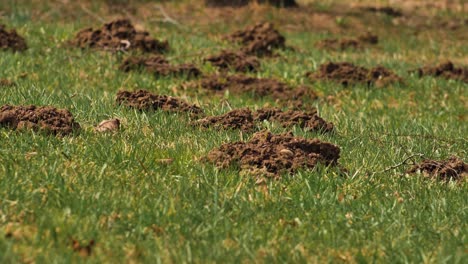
349	74
11	40
144	100
236	60
452	169
118	35
39	118
271	155
387	10
238	3
445	70
259	87
246	120
158	65
348	43
6	83
260	39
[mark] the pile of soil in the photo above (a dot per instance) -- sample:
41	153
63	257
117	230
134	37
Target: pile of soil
260	39
238	3
348	43
159	66
236	60
349	74
118	35
387	10
144	100
451	169
445	70
245	119
259	87
11	40
38	118
272	155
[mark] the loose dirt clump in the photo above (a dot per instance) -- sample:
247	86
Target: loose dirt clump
236	119
6	83
271	155
348	43
39	118
239	3
144	100
236	60
159	66
260	39
349	74
445	70
11	40
118	35
246	120
259	87
451	169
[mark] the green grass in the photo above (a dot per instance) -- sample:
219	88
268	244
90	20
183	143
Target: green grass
111	188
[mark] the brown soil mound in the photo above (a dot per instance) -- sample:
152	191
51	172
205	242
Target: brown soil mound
11	40
445	70
245	119
45	118
348	43
118	35
259	87
144	100
349	74
451	169
237	60
159	66
260	39
238	3
387	10
272	155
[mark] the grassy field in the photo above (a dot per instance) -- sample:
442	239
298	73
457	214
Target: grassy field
113	189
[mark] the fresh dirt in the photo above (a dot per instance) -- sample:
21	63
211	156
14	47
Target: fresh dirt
11	40
260	39
259	87
38	118
349	74
245	119
271	155
236	60
145	100
452	169
445	70
158	65
238	3
348	43
118	35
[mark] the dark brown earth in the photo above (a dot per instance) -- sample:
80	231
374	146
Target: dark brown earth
11	40
6	83
445	70
159	66
238	3
39	118
349	74
260	39
272	155
144	100
259	87
236	60
118	35
452	169
348	43
246	120
387	10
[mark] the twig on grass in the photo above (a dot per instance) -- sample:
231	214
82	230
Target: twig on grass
166	17
90	13
404	162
